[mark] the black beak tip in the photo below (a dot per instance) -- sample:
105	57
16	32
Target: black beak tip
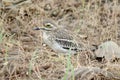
36	28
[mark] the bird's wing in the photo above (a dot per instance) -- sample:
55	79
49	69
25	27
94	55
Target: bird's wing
65	40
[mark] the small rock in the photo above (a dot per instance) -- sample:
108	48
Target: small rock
55	13
90	73
47	7
109	50
44	45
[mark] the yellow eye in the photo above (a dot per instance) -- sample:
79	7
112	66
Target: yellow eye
48	26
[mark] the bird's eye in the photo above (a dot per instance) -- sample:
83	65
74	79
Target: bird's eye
48	26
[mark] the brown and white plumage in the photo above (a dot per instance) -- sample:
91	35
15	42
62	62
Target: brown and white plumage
59	39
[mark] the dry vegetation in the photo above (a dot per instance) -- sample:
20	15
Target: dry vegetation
23	56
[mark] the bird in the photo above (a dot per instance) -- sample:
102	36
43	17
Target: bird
59	39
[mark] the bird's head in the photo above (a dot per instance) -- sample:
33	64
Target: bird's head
48	25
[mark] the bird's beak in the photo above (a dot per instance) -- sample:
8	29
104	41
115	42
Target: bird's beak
38	28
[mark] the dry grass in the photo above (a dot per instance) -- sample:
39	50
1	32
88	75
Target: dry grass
22	54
